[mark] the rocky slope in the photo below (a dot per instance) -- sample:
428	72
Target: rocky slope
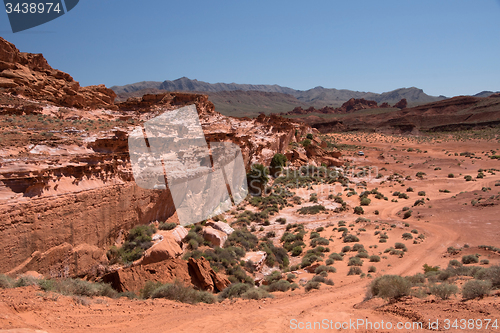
66	186
457	113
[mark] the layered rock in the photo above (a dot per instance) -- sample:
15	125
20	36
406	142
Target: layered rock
31	76
196	273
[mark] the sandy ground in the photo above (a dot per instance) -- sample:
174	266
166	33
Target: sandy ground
446	219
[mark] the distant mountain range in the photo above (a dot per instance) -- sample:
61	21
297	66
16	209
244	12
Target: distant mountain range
249	100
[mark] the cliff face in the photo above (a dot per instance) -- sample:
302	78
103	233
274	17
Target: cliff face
30	75
66	185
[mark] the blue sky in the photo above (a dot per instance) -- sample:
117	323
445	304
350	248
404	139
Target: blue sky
445	47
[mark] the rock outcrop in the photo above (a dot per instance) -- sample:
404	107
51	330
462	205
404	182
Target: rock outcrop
402	104
31	76
196	273
66	180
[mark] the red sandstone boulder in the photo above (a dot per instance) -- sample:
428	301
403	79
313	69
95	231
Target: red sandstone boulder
214	236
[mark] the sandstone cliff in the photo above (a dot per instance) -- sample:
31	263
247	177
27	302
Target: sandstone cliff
66	187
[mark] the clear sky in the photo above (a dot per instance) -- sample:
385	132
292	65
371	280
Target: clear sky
445	47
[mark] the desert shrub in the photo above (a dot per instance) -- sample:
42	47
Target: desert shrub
167	225
390	287
336	256
450	175
296	251
77	287
346	248
443	290
363	255
324	268
358	247
468	178
492	274
354	271
476	288
362	219
484	262
290	277
400	246
6	282
329	261
281	285
359	210
470	259
319	241
374	258
311	285
416	279
234	290
403	196
421	193
372	269
138	240
365	201
177	291
277	163
318	278
355	261
350	239
407	236
409	189
455	263
419	202
281	220
244	238
311	210
420	174
256	293
257	178
407	214
270	234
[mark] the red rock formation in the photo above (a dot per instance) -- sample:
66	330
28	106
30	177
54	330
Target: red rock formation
353	105
402	104
31	76
196	273
384	105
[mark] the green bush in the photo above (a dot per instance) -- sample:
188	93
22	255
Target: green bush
234	290
359	210
374	258
336	257
407	236
281	285
350	238
6	282
407	214
256	293
372	269
421	193
312	285
476	288
177	291
277	163
77	287
365	201
468	178
355	261
455	263
323	268
309	136
167	225
470	259
443	290
354	271
390	287
311	210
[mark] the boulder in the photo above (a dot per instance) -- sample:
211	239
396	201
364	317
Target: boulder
224	227
214	236
258	258
178	233
134	278
204	277
166	248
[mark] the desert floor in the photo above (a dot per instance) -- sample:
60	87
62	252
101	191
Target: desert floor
447	219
